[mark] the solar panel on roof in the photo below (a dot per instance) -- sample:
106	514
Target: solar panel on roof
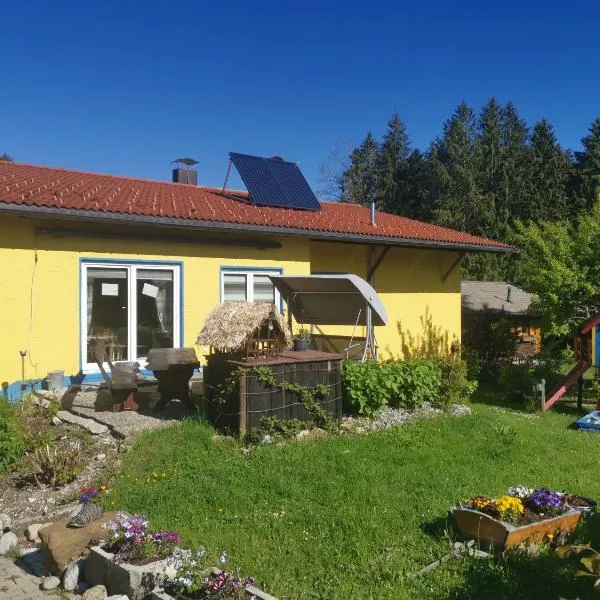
274	182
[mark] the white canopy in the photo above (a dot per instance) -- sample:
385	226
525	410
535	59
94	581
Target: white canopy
330	299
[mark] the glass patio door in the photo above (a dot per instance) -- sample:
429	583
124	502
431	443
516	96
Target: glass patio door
131	308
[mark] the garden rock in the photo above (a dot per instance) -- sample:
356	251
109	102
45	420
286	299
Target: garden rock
5	521
32	532
62	545
56	421
100	456
7	541
75	511
118	597
98	592
71	576
50	583
92	426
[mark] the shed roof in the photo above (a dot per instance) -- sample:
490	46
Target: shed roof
45	191
495	296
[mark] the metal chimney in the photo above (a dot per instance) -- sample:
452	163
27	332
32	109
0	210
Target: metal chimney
372	213
183	172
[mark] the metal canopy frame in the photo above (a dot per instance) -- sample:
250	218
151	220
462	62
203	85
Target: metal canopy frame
334	300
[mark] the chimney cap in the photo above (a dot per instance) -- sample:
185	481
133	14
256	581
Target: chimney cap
185	161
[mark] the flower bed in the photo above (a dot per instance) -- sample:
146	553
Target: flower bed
522	514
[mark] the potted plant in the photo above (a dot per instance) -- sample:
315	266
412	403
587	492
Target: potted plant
302	339
133	561
522	514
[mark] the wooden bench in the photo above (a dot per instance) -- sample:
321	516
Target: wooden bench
122	381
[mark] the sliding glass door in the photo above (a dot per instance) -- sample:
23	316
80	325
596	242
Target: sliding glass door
131	308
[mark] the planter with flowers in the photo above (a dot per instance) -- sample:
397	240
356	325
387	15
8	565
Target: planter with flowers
189	577
133	561
522	514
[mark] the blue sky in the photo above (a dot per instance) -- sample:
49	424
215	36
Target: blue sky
125	87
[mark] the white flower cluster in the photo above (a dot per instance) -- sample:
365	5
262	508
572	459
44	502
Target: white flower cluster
519	491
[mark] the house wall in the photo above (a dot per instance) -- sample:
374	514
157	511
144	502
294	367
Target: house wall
40	299
40	292
409	281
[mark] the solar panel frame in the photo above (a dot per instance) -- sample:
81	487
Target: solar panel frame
272	182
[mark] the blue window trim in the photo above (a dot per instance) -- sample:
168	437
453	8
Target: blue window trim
124	261
226	269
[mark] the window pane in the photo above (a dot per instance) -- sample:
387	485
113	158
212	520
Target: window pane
263	289
107	312
234	287
154	296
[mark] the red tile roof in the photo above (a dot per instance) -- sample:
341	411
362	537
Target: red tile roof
60	190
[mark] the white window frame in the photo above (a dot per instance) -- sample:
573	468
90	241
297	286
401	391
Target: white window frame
131	268
249	273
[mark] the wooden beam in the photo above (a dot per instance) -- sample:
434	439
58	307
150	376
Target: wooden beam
458	261
376	264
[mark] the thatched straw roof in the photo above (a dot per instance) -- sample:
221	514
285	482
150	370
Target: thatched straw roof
230	326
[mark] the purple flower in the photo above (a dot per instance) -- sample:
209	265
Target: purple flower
545	500
249	580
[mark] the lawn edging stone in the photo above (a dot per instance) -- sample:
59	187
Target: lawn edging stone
251	591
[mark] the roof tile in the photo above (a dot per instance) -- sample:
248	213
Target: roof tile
30	185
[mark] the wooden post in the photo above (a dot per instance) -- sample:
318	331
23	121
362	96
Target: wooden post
243	405
579	393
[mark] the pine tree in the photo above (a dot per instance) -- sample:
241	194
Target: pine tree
391	162
5	156
544	197
359	181
585	184
411	197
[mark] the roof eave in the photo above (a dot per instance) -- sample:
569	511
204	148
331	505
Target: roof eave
91	216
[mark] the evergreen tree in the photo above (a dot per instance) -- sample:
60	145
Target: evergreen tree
544	196
5	156
391	163
359	180
411	197
515	135
585	184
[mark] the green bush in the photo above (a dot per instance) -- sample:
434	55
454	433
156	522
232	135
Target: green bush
456	385
12	440
370	386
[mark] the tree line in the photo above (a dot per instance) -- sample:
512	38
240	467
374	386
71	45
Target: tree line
484	174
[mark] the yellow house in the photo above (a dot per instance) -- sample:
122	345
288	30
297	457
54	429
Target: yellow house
141	263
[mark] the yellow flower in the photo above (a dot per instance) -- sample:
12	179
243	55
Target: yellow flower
510	504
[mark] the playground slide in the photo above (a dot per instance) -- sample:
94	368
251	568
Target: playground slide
576	372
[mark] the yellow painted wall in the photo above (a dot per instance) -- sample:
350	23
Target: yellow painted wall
39	299
49	328
408	281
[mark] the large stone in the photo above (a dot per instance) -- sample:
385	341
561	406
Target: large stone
118	597
72	574
98	592
50	583
7	541
62	545
32	532
89	424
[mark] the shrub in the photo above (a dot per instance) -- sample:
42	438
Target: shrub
455	384
370	386
12	440
56	466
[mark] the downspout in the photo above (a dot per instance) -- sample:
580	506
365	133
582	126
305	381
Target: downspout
370	341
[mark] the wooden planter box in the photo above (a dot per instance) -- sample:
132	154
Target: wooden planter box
488	531
135	581
255	401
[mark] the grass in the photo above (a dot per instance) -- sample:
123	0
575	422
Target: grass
355	516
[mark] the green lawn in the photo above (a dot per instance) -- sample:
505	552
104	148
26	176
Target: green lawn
355	516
